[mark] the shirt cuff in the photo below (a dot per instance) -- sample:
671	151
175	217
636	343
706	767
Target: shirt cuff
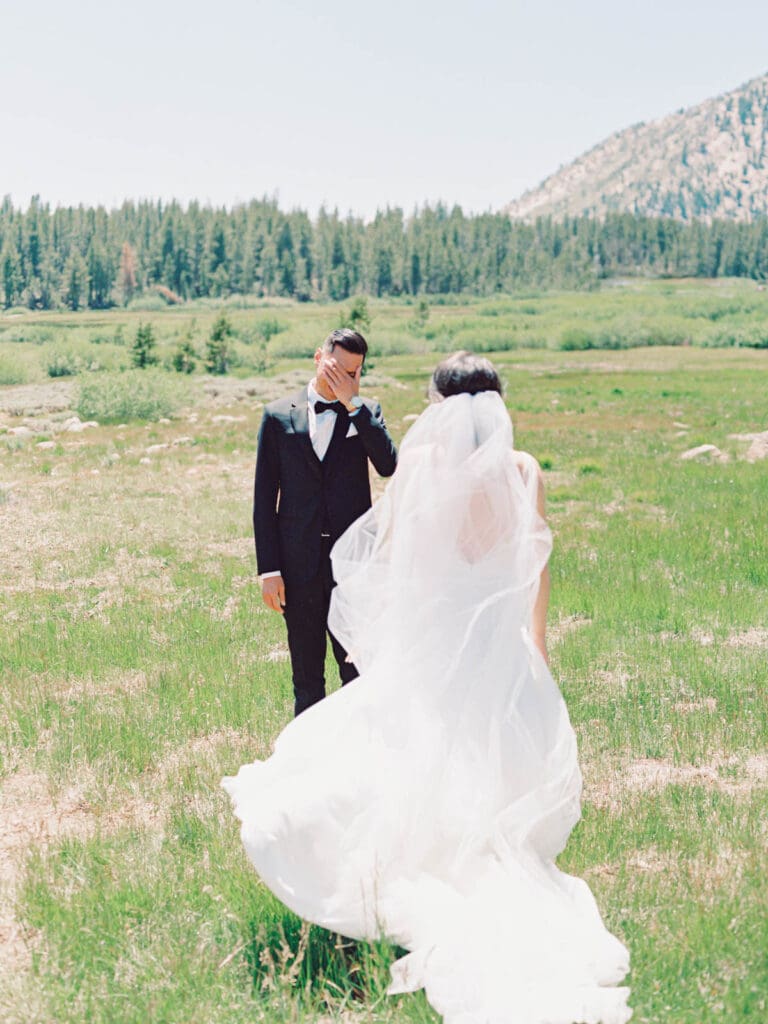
268	575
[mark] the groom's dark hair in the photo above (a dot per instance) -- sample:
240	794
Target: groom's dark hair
463	373
347	339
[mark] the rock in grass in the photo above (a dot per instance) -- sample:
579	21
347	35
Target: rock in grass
758	449
711	451
74	425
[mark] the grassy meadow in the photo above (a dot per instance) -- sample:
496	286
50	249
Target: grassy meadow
139	665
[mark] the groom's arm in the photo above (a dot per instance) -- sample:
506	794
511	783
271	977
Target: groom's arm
265	492
373	433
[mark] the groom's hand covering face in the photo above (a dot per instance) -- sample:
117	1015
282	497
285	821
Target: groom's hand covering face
340	371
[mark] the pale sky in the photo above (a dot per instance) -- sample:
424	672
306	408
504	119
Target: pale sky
344	103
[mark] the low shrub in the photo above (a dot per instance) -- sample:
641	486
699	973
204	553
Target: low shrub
62	362
264	329
133	395
184	358
149	302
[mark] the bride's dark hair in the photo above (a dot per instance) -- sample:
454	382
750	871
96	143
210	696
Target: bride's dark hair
463	373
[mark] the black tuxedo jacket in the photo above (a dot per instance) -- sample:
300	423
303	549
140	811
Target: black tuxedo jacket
297	497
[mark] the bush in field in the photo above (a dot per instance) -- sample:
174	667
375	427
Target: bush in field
143	347
149	302
217	357
255	358
62	362
575	339
266	329
298	345
132	395
419	320
743	336
357	317
183	360
11	372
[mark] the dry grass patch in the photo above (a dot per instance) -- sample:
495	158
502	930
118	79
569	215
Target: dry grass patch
687	707
719	871
278	652
726	774
115	681
565	625
205	751
610	785
755	636
34	816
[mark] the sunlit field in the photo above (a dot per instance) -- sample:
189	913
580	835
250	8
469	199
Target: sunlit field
139	665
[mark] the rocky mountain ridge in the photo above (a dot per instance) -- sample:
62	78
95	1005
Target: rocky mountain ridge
706	162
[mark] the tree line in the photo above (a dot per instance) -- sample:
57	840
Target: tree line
86	257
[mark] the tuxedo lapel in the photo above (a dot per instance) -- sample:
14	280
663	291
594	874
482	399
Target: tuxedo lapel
300	424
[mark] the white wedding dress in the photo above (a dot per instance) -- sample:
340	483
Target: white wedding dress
426	801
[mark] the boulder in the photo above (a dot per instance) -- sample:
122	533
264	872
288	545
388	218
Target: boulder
758	449
709	451
74	425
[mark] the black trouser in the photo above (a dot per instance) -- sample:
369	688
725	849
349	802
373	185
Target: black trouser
306	616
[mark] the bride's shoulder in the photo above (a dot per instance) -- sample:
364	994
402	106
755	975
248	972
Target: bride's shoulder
533	478
526	463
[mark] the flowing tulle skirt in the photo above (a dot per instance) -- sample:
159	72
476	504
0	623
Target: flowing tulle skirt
373	817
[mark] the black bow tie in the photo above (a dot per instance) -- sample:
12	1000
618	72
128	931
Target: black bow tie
329	407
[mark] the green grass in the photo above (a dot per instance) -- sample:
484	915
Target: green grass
139	667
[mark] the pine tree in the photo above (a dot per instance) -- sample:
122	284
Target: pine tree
75	281
217	349
143	347
183	360
11	273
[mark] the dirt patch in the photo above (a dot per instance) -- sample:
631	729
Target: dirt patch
752	637
150	575
614	679
131	682
279	652
609	786
702	637
202	750
687	707
566	625
705	872
33	817
37	399
241	547
727	775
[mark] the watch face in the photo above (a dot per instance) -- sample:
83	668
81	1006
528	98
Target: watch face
356	400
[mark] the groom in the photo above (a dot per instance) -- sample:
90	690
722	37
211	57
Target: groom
311	484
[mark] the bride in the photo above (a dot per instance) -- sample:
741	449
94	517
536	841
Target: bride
427	801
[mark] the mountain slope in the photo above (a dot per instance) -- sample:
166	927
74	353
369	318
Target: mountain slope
706	162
